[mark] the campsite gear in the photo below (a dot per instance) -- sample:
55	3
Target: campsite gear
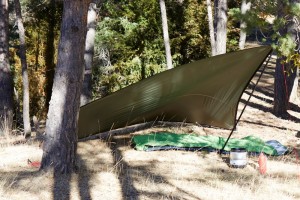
204	92
262	163
238	157
281	150
35	164
168	141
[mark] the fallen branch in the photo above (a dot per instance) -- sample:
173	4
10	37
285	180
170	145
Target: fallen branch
120	131
133	128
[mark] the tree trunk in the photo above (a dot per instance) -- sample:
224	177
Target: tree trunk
166	33
211	28
286	79
50	52
6	81
59	149
293	31
281	98
220	25
86	93
26	118
286	84
245	7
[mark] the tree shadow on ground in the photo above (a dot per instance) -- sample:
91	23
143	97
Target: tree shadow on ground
134	174
128	189
269	101
43	182
13	181
264	91
288	116
285	116
62	187
294	107
268	125
256	106
84	177
291	106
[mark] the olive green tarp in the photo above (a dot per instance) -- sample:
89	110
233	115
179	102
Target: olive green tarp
250	143
204	92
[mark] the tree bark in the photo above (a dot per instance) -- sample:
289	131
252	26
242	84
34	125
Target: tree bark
285	86
26	118
166	33
86	93
293	31
50	52
6	81
245	7
211	28
220	26
60	146
281	98
286	80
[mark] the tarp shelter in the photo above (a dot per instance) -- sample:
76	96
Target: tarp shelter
204	92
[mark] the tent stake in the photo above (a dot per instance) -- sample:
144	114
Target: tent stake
237	121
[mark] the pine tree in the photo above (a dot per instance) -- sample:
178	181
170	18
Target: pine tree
60	146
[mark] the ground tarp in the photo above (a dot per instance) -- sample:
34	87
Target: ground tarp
162	141
204	92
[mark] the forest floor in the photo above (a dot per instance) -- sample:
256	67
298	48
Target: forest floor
112	169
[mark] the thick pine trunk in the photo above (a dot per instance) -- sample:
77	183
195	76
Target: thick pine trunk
166	33
61	129
86	93
281	98
293	31
6	81
220	26
286	83
26	118
245	7
211	28
286	80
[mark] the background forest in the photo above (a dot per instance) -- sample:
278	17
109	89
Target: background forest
129	43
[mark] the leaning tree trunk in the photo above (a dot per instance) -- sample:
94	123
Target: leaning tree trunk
86	93
220	25
59	149
211	28
166	33
26	119
6	81
286	79
245	7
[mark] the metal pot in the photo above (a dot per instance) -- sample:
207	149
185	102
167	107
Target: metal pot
238	157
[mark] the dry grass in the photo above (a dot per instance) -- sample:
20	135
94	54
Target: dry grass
113	170
4	128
